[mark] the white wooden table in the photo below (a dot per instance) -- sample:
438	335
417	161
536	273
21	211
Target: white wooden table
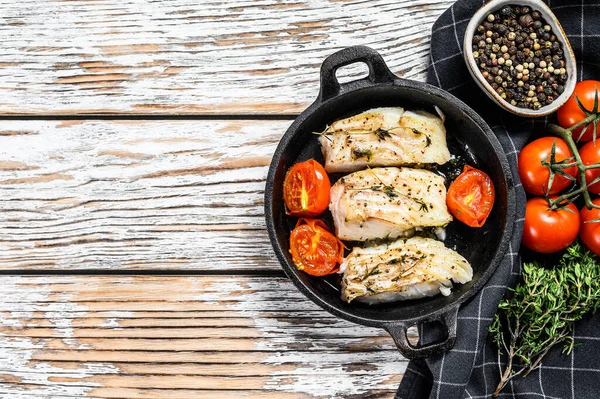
135	138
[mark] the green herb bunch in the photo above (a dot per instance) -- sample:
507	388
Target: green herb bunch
543	309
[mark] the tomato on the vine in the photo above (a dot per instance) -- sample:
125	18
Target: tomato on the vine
314	249
570	113
306	189
547	231
590	154
534	175
471	197
589	231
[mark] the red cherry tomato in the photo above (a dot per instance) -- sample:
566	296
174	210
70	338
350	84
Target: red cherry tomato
546	231
534	175
471	197
314	249
306	189
589	231
570	113
590	154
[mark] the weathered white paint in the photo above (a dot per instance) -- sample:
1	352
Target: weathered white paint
135	194
270	337
185	56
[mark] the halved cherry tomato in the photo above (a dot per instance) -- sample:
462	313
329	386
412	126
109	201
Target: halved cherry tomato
534	175
471	197
590	154
570	113
589	231
306	189
546	231
314	249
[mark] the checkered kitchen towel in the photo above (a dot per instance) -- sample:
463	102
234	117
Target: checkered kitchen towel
471	369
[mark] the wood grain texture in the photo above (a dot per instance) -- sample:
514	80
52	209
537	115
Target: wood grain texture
185	56
183	337
135	194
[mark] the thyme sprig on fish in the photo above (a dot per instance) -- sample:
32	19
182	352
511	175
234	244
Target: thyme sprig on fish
390	191
373	272
381	134
543	309
359	153
422	205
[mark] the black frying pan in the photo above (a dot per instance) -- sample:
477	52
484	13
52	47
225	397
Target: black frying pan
468	136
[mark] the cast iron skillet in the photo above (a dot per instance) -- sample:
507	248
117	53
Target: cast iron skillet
468	135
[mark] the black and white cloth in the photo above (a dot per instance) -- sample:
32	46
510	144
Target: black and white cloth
471	369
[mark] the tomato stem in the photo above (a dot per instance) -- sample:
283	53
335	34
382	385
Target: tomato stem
567	136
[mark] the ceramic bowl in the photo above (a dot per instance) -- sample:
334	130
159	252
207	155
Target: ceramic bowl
551	20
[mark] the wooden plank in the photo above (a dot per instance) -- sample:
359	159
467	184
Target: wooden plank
190	57
185	194
182	337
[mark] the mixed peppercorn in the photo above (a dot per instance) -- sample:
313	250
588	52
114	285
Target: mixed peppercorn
520	57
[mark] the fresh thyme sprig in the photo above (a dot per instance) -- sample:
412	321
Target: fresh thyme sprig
579	188
543	309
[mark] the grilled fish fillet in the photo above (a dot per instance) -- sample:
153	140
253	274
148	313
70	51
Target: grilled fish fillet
405	269
384	137
387	203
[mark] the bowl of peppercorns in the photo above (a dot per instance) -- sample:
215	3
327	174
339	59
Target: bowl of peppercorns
520	56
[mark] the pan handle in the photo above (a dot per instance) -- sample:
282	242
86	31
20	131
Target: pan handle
398	332
378	70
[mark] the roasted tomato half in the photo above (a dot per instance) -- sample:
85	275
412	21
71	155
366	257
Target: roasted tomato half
314	249
471	196
306	189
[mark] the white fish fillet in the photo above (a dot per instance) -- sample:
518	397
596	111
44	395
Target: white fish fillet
405	269
387	203
384	137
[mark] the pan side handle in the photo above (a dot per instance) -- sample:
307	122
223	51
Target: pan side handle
398	332
378	70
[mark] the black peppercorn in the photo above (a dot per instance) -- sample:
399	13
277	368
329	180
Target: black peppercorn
507	12
505	75
525	20
502	29
517	10
536	25
563	78
525	10
536	15
487	25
